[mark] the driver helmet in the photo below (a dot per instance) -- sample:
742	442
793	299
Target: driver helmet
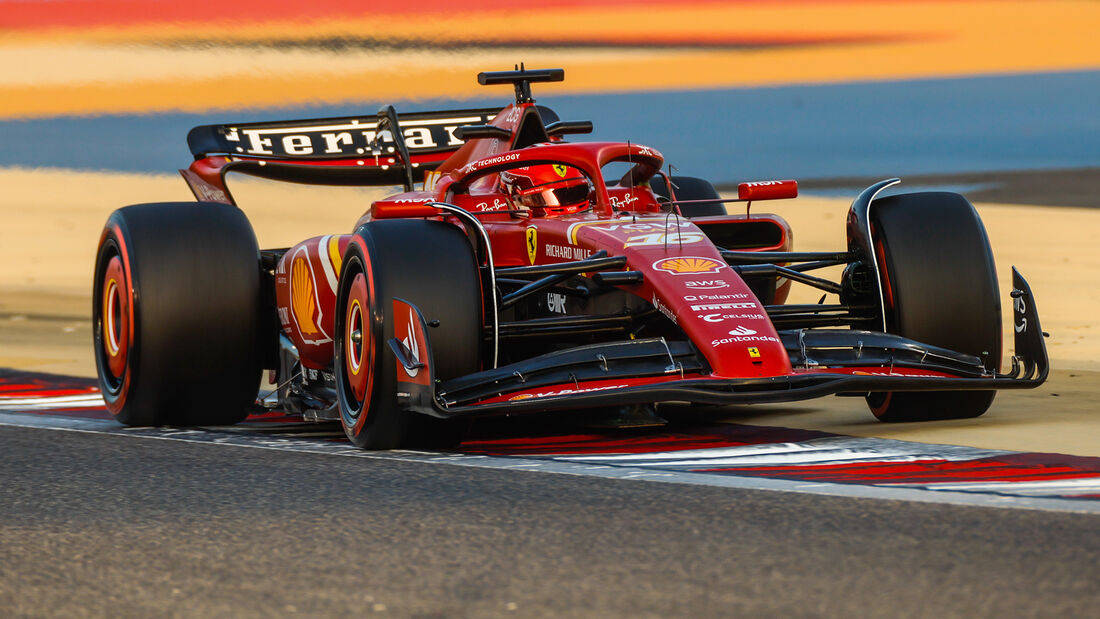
547	189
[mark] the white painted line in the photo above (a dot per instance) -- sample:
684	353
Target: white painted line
40	403
1054	487
238	438
814	452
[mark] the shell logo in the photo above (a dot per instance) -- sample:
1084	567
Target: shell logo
522	396
302	300
688	265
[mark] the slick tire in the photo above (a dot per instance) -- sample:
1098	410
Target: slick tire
939	287
176	308
431	265
689	188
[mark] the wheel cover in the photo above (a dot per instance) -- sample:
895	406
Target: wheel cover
358	342
115	312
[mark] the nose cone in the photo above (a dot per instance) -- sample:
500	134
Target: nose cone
687	280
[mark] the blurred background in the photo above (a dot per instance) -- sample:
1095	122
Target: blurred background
810	89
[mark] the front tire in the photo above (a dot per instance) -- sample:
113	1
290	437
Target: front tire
431	265
176	309
939	287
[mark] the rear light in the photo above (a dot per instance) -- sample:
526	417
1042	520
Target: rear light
767	190
399	209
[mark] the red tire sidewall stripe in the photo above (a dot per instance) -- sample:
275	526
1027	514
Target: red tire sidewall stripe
888	303
884	275
116	337
116	401
369	352
355	316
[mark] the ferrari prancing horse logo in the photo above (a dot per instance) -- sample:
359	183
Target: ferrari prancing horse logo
561	169
532	243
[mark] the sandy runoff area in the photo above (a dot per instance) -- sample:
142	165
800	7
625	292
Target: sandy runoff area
53	218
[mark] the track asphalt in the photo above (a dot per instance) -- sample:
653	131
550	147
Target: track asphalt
122	526
700	445
113	521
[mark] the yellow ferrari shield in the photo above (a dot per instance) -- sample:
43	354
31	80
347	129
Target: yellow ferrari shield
561	169
532	243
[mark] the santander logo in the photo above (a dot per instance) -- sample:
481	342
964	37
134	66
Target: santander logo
742	331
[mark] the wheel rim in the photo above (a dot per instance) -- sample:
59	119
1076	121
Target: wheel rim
115	318
358	345
879	402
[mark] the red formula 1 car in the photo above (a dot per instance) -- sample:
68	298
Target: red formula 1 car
520	272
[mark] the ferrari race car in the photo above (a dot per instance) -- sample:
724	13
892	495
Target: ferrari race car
519	272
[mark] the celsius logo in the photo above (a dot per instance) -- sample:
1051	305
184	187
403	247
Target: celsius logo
742	331
719	317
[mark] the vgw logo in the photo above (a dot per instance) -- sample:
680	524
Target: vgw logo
555	302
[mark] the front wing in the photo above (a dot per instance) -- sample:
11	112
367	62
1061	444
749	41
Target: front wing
644	371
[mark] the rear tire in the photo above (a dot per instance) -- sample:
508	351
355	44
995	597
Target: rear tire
431	265
940	288
176	308
690	188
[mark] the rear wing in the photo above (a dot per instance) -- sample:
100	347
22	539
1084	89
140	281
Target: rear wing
352	150
329	139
